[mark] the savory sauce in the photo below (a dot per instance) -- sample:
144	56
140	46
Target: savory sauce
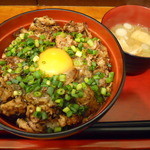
134	39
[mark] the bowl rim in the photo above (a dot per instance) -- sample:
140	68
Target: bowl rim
91	121
124	6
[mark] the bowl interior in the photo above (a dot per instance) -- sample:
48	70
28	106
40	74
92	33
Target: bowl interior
62	16
128	13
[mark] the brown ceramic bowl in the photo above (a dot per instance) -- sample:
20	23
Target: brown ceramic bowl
133	14
62	16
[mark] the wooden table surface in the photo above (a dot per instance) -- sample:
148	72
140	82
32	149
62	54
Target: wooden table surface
19	143
10	11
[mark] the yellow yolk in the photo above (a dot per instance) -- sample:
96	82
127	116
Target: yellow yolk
55	61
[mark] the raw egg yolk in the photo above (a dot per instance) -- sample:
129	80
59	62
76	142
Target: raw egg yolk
54	61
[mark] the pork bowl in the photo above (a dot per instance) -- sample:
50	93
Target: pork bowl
60	71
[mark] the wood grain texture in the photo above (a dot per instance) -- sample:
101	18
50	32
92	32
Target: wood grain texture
76	2
18	2
93	2
95	12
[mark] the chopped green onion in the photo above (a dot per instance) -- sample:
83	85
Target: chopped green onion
75	84
42	37
44	115
95	38
67	97
8	54
50	90
110	77
55	83
78	62
82	109
22	84
78	53
79	87
89	81
80	94
40	114
62	34
100	99
48	82
37	94
60	84
35	58
103	91
18	70
49	130
61	91
93	52
101	75
108	80
26	35
14	81
59	102
26	49
73	109
19	64
30	42
79	35
32	68
37	114
22	36
74	48
9	70
62	77
8	82
69	113
93	66
19	78
77	40
71	53
86	79
90	42
55	77
73	93
96	77
36	42
57	129
57	33
108	94
37	74
13	50
38	109
15	93
74	34
66	109
94	88
28	78
68	87
84	85
2	62
109	65
80	46
76	106
82	39
37	87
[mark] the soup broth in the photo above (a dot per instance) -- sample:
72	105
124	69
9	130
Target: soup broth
134	39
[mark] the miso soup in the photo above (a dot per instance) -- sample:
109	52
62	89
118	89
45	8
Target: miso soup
134	39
